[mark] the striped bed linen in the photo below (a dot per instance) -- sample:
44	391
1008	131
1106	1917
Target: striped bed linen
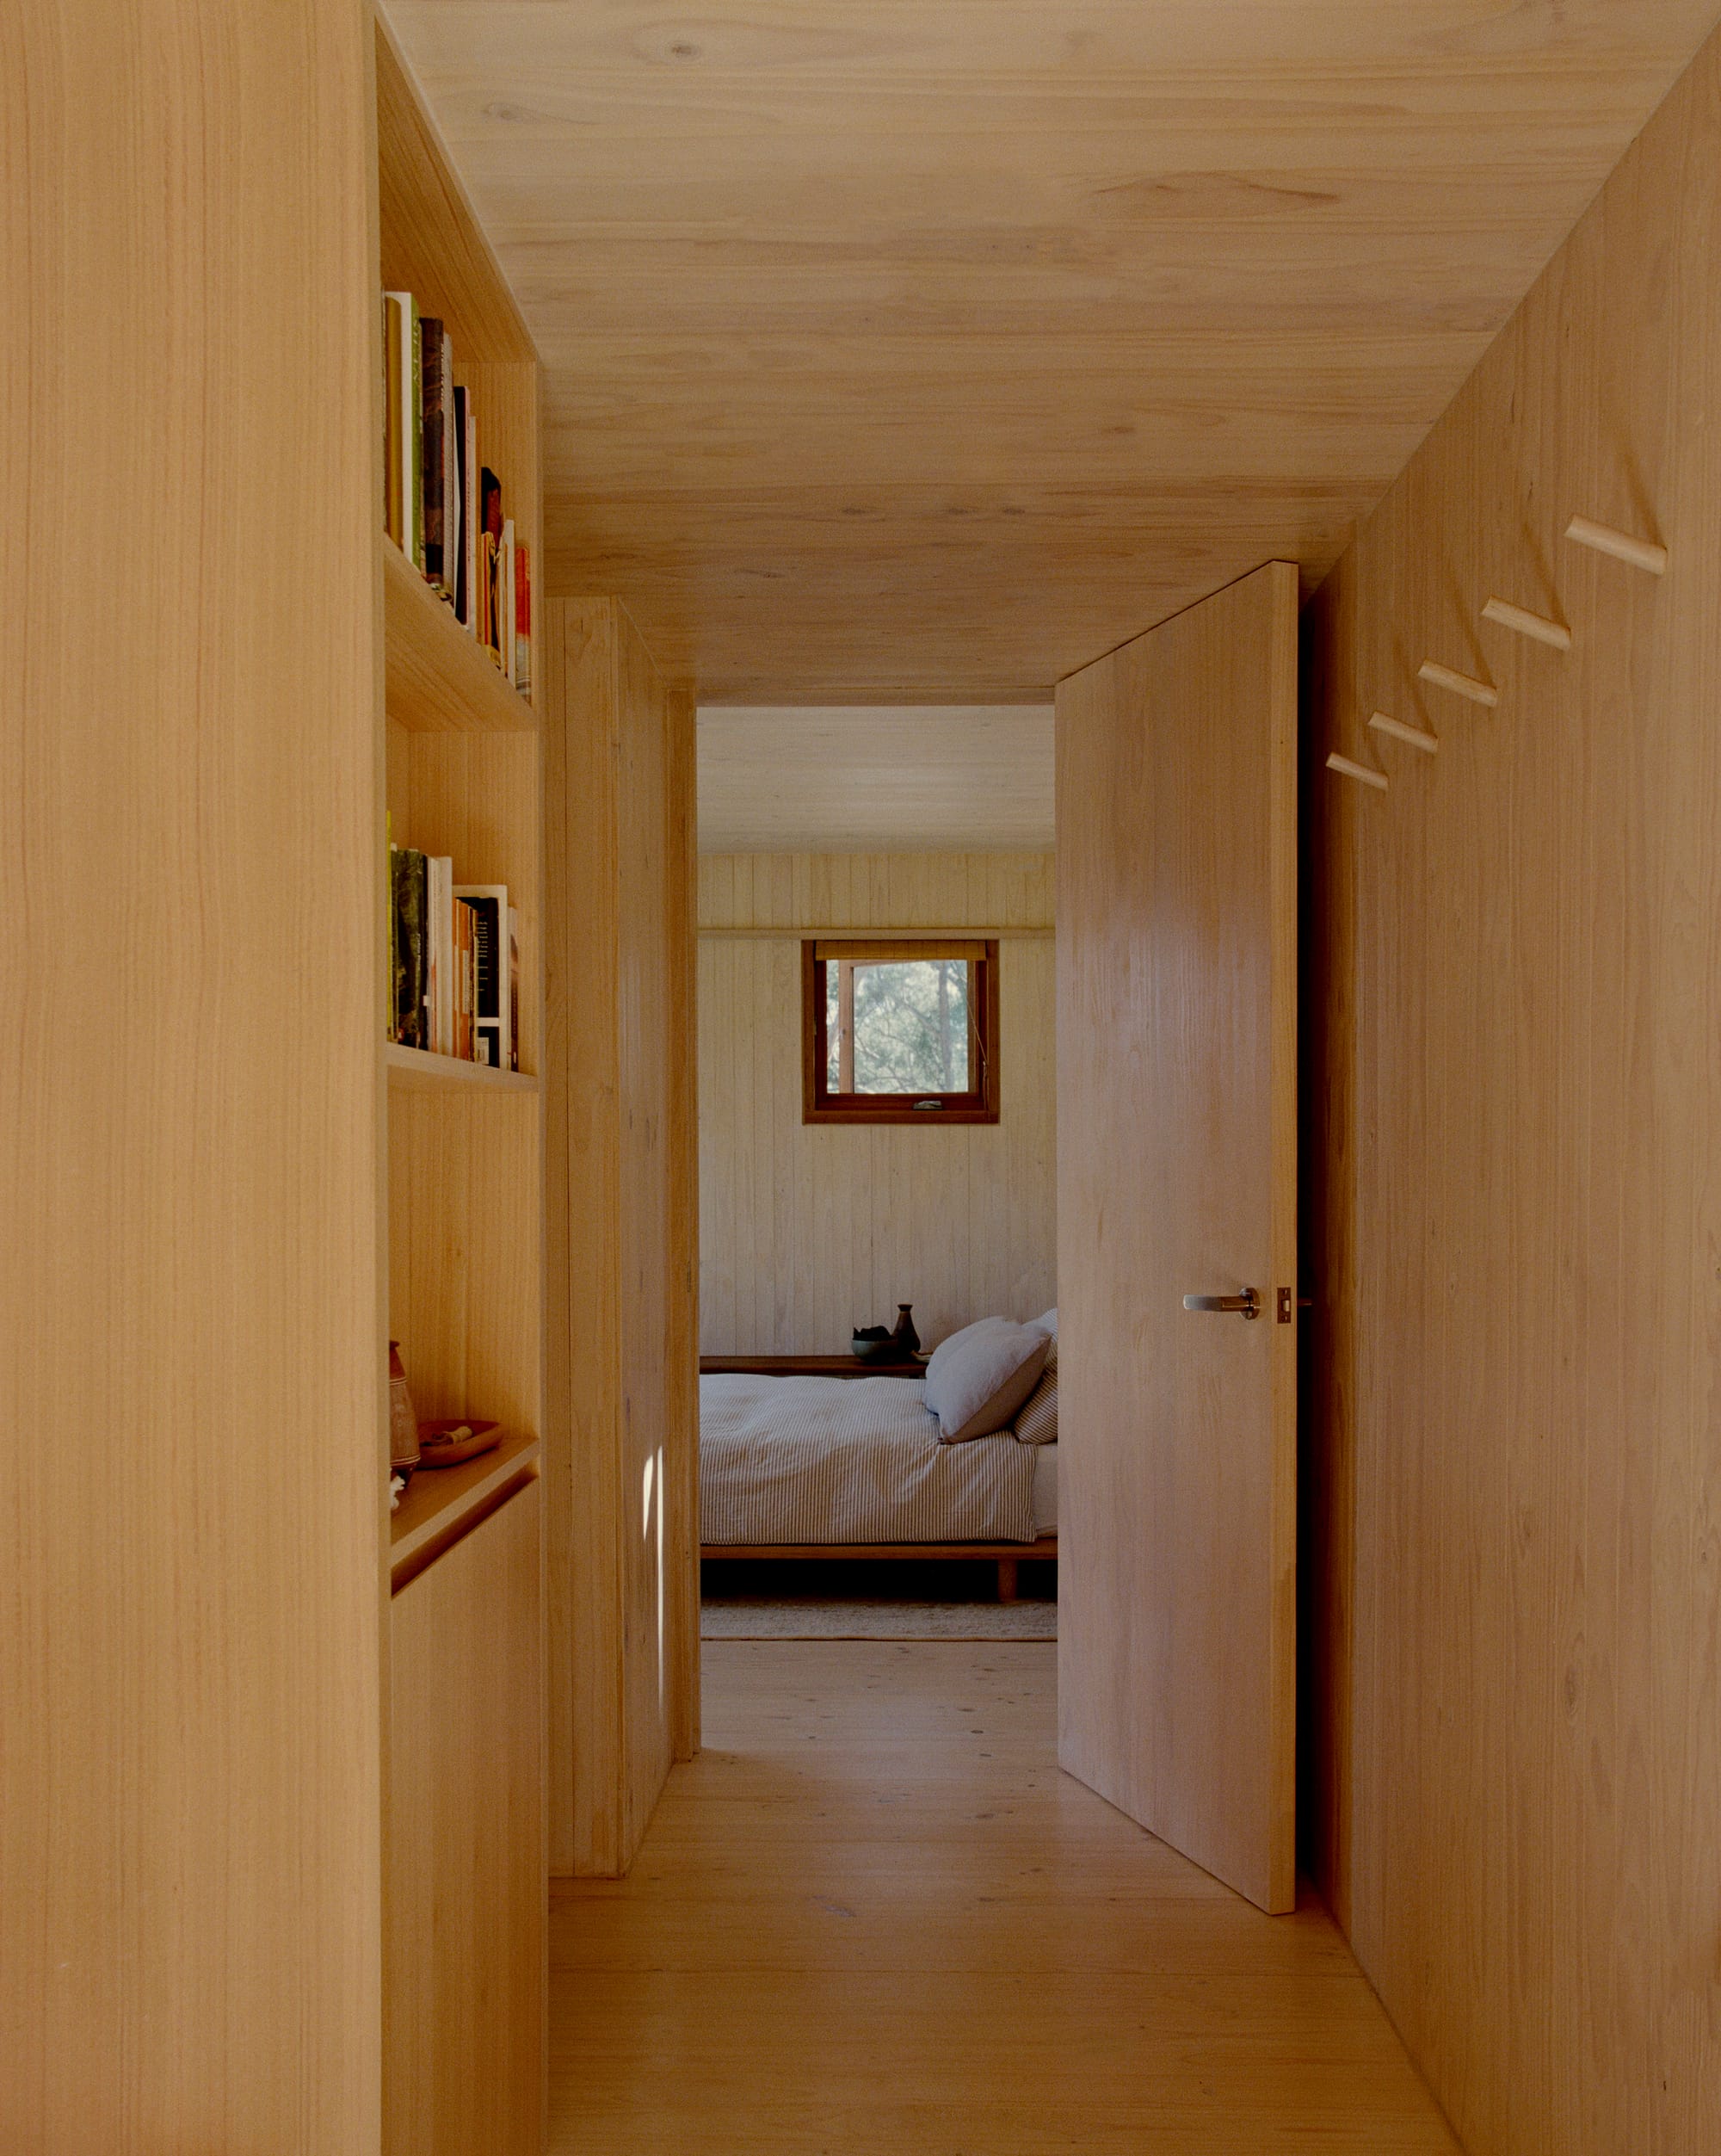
850	1460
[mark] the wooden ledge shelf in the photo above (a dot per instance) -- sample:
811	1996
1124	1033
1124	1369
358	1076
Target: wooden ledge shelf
439	680
441	1502
421	1073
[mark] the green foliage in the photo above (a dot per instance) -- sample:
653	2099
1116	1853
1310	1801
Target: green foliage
911	1026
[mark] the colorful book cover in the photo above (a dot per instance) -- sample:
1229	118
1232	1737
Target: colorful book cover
434	426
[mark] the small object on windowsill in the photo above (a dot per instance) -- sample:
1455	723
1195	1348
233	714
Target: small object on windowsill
446	1444
905	1339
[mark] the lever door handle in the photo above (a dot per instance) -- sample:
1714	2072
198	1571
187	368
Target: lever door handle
1247	1305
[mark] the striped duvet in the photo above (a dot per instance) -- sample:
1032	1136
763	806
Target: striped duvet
850	1460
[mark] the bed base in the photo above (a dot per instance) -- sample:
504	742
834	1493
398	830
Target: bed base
1007	1556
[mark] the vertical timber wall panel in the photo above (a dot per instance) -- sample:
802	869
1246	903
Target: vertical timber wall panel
621	1395
1521	1439
808	1231
191	1314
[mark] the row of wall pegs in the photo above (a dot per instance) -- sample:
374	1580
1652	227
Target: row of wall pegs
1583	531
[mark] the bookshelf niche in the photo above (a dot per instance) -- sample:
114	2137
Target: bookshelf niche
464	1956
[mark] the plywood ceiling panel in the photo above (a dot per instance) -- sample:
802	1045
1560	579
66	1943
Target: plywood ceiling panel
905	350
845	780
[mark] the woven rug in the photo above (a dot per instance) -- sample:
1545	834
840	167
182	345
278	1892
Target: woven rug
749	1617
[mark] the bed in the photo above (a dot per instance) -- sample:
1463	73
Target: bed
838	1468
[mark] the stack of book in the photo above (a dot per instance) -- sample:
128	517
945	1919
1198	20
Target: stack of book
455	952
442	507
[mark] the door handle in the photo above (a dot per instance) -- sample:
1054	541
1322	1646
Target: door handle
1247	1305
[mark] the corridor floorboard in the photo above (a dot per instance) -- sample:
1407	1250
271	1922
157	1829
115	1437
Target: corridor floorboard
873	1917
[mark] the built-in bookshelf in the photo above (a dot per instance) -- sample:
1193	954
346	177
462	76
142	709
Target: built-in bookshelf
463	1980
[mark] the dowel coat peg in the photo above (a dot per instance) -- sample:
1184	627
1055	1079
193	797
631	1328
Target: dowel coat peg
1418	738
1527	624
1345	768
1465	685
1642	554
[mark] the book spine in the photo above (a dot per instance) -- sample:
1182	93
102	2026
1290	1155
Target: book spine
409	912
463	951
415	428
433	421
469	509
394	349
512	1028
489	520
508	600
456	497
522	622
488	907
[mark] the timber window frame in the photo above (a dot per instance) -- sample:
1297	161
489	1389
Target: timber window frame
825	1102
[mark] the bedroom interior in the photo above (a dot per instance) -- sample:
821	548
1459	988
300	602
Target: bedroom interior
903	834
1164	556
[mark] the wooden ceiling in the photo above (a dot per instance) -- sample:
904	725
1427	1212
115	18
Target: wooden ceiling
921	351
835	779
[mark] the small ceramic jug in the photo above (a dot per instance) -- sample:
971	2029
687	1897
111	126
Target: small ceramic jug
907	1340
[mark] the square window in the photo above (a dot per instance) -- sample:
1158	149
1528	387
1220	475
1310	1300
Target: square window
900	1030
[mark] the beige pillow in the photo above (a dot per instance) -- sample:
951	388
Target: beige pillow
979	1378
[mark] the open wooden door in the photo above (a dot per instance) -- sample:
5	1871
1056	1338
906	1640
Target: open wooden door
1177	1178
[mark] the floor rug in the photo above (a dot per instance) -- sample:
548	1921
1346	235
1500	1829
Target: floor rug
756	1617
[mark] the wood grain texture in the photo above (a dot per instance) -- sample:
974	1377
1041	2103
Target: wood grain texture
438	676
808	1231
433	246
681	1272
465	1174
1177	1115
917	349
191	1316
871	780
464	2031
619	1424
873	1916
1522	1592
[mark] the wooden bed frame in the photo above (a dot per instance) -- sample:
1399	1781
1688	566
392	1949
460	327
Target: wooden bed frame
1007	1556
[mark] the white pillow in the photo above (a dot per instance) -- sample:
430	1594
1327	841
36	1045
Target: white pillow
979	1378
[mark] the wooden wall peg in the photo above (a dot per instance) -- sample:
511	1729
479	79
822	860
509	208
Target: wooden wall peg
1642	554
1343	765
1418	737
1528	624
1460	684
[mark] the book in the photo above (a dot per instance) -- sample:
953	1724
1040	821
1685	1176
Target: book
463	945
513	988
391	408
408	378
408	880
505	606
490	529
522	622
465	437
435	357
440	944
493	1017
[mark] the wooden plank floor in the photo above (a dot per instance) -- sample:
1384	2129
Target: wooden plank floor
873	1916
